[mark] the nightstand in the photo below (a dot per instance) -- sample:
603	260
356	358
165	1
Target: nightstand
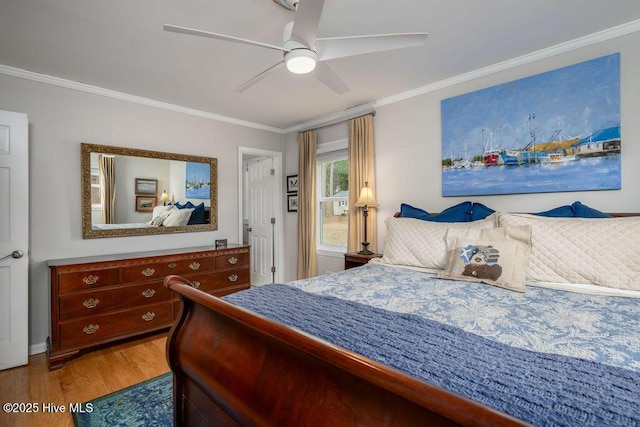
354	259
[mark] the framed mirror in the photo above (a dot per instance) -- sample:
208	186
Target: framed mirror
131	192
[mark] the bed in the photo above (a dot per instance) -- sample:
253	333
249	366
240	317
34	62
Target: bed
167	216
406	340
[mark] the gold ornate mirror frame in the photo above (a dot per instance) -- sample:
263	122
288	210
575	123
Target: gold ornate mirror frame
89	232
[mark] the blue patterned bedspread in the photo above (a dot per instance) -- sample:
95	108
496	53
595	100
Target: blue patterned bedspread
599	328
543	389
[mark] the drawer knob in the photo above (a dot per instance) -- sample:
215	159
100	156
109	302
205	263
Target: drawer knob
148	316
91	329
90	279
148	272
90	303
195	284
194	265
233	277
172	265
148	293
233	260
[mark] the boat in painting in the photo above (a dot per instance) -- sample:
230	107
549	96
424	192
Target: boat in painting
601	143
492	158
557	157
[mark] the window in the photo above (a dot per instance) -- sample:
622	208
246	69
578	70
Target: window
333	196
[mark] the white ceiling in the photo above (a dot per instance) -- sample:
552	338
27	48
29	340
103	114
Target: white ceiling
120	45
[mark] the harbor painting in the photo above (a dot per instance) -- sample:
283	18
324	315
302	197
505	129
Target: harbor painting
555	131
198	180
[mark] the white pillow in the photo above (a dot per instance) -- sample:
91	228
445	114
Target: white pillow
420	243
598	251
160	213
178	217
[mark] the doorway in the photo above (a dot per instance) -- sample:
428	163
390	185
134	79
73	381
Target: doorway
14	239
261	212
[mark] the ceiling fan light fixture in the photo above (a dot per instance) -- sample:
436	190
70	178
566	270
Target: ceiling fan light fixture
301	61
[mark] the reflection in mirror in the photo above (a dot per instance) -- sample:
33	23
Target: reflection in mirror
129	192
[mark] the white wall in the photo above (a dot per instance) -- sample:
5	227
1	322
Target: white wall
408	147
59	120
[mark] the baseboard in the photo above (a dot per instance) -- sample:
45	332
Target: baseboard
37	348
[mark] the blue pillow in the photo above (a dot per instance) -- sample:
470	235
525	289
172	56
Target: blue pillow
583	211
480	211
565	211
197	216
458	213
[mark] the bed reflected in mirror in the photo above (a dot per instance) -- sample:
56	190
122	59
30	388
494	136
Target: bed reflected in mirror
130	192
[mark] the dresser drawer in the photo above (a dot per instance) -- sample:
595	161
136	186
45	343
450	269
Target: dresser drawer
88	279
224	279
99	301
232	260
95	329
159	270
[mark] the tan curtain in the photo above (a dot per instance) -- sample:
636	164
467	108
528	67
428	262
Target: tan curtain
107	172
307	144
361	170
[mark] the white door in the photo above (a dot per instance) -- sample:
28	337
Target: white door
14	239
260	204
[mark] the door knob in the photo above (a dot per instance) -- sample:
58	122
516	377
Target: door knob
249	229
15	254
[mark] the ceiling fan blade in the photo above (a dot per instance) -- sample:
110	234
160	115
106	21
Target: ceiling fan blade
326	75
339	47
305	24
257	78
201	33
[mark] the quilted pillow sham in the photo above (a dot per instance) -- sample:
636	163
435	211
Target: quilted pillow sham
417	243
178	217
496	256
597	251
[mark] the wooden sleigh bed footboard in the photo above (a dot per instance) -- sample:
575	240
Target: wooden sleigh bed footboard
233	367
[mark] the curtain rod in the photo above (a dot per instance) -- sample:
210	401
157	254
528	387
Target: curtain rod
371	113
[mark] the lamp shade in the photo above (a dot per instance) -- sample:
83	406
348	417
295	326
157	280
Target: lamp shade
164	197
366	197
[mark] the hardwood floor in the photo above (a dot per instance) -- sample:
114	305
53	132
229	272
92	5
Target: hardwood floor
89	376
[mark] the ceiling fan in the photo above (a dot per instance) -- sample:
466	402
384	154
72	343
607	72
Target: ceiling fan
303	52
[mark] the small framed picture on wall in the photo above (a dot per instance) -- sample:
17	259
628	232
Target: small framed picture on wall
146	186
292	203
146	203
292	184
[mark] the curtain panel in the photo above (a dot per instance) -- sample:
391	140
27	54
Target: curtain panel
107	172
307	260
361	171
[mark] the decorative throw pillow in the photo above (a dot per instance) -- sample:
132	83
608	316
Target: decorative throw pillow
565	211
197	217
497	256
480	211
457	213
178	217
160	213
584	211
418	243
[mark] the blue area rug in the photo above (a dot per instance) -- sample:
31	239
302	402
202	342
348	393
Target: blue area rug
149	403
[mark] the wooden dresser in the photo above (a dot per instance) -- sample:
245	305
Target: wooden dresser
97	300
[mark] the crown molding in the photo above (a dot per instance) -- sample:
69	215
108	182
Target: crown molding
95	90
571	45
565	47
334	118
